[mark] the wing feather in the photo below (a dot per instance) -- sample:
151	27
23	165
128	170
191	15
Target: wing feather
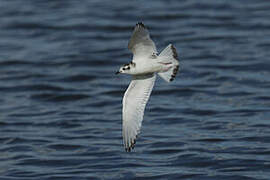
134	102
140	42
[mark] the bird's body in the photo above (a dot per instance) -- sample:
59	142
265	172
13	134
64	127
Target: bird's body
148	65
143	68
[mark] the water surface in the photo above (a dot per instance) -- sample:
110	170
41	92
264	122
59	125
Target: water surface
60	103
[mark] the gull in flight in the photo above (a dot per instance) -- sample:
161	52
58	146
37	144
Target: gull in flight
145	64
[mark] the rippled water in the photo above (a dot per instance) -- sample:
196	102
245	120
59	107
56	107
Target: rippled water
60	103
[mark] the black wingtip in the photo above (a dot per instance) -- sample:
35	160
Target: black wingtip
140	24
132	145
128	149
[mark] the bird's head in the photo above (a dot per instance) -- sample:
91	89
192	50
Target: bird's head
126	68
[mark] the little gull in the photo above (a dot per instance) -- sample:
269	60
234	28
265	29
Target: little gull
145	64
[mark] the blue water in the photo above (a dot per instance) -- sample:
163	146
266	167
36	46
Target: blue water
60	103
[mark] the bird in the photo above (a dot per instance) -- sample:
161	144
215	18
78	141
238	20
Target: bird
145	64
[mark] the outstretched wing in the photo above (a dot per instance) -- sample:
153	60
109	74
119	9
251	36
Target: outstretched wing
140	43
134	103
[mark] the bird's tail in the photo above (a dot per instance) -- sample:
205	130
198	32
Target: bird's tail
169	56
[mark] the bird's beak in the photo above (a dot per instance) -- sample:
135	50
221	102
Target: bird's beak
117	72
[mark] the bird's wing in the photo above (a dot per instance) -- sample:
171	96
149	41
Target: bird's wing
140	43
134	102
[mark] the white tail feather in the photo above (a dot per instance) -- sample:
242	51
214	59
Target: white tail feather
169	55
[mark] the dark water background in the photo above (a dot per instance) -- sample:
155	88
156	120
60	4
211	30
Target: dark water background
60	102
